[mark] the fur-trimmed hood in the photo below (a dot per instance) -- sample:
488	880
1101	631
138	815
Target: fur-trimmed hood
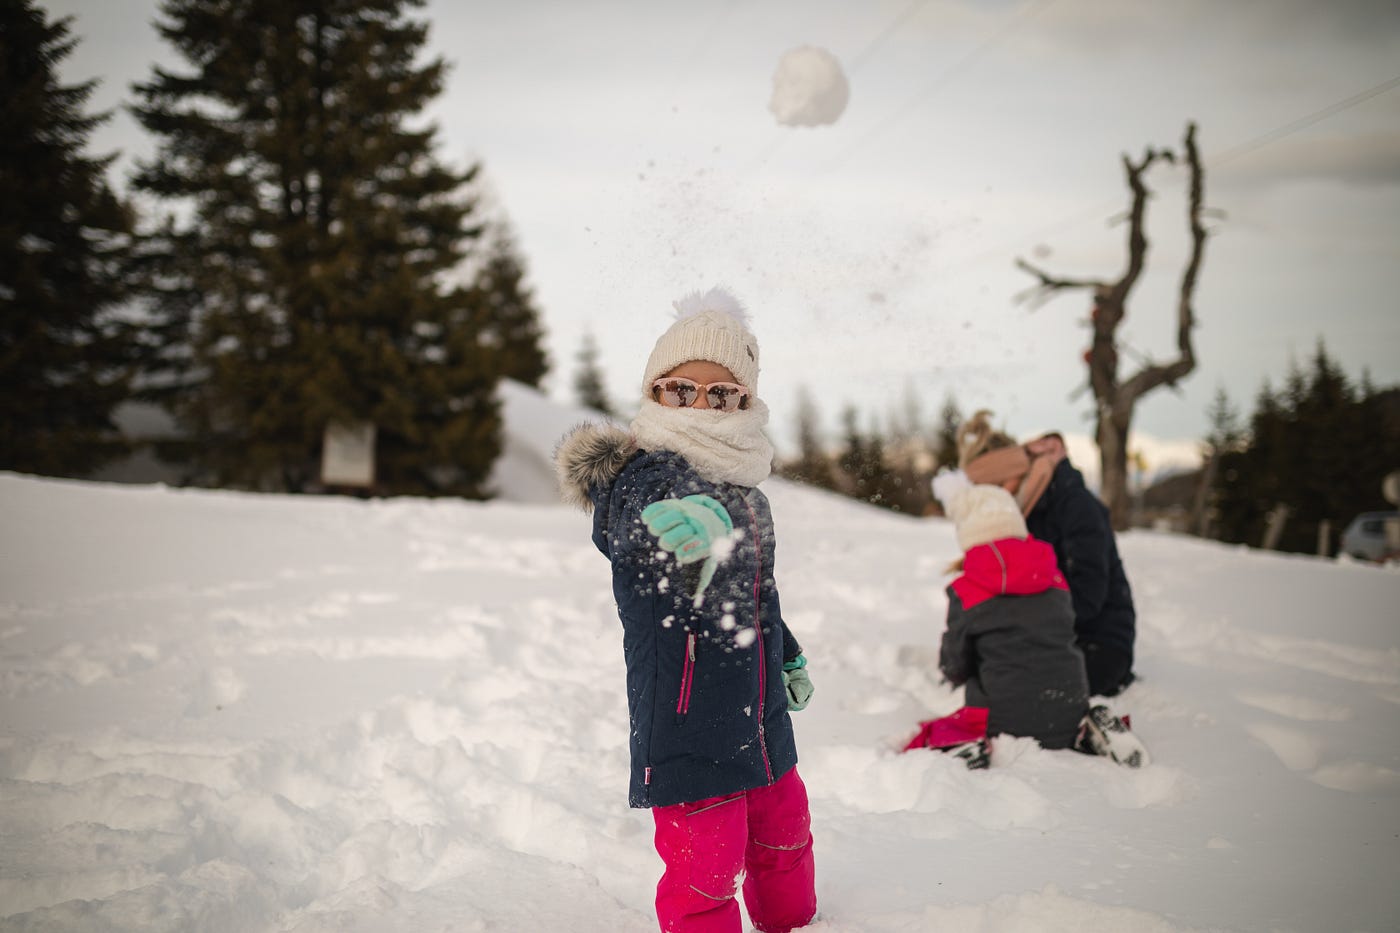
590	455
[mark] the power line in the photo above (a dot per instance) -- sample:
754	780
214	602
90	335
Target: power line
1021	17
857	62
1288	129
888	31
686	69
1229	155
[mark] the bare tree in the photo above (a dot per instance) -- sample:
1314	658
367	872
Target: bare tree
1116	396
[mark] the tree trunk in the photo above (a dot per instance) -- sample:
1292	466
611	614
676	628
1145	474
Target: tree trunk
1113	461
1201	509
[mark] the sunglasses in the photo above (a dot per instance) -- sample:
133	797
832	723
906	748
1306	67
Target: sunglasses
676	392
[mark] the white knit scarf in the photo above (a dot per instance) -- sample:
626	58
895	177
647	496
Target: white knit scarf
724	447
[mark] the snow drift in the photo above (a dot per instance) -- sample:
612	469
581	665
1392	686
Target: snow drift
238	712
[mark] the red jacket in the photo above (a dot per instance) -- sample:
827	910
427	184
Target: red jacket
1011	566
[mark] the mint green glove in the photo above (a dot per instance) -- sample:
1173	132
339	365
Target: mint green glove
689	528
797	683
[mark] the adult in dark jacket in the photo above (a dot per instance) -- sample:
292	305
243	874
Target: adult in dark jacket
712	668
1077	525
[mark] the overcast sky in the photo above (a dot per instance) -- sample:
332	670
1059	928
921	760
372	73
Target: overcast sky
631	147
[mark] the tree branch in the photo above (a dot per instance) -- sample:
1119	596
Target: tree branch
1186	316
1150	377
1049	284
1137	240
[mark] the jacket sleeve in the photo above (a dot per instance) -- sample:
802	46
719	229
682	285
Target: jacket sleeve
955	656
1084	548
791	648
600	495
628	540
618	529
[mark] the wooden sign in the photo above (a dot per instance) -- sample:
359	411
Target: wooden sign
347	455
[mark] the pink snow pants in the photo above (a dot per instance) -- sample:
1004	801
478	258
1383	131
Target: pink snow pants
763	835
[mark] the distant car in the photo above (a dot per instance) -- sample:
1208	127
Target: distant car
1365	537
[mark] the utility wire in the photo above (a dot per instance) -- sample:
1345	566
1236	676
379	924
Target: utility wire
1229	155
895	25
857	62
1288	129
686	69
1020	18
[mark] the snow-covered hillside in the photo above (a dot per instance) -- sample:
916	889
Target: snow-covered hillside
245	713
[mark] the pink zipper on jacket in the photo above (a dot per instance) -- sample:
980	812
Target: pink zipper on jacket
687	676
758	631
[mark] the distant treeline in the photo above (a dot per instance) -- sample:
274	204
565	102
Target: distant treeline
1316	450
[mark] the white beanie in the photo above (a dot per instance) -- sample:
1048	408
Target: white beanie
713	327
984	514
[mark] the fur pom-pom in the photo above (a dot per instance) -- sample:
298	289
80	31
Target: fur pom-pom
588	455
716	299
947	484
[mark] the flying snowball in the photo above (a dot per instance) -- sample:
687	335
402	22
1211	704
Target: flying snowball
809	88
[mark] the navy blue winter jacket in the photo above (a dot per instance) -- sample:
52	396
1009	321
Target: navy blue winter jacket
704	683
1076	524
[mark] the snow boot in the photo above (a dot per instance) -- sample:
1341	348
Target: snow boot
976	755
1102	733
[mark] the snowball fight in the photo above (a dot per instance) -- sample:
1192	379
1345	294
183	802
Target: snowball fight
512	467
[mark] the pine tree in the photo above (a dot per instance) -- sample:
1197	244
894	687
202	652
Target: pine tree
864	472
510	321
1223	439
949	418
813	464
588	378
306	285
1331	421
1316	447
65	355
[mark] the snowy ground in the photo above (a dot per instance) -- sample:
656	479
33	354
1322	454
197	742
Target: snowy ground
238	712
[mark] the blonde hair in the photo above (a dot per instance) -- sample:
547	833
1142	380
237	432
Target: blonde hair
976	436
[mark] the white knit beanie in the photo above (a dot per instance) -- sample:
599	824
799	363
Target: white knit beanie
710	326
984	514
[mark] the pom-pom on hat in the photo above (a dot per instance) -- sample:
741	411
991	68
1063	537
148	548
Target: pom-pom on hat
710	326
984	514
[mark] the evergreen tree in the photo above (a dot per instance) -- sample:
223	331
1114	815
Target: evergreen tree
864	472
1224	437
510	323
305	285
1330	420
588	378
1315	447
1225	432
1250	480
813	464
65	356
949	418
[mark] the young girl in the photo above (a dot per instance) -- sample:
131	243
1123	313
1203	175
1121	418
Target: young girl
1010	632
712	669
